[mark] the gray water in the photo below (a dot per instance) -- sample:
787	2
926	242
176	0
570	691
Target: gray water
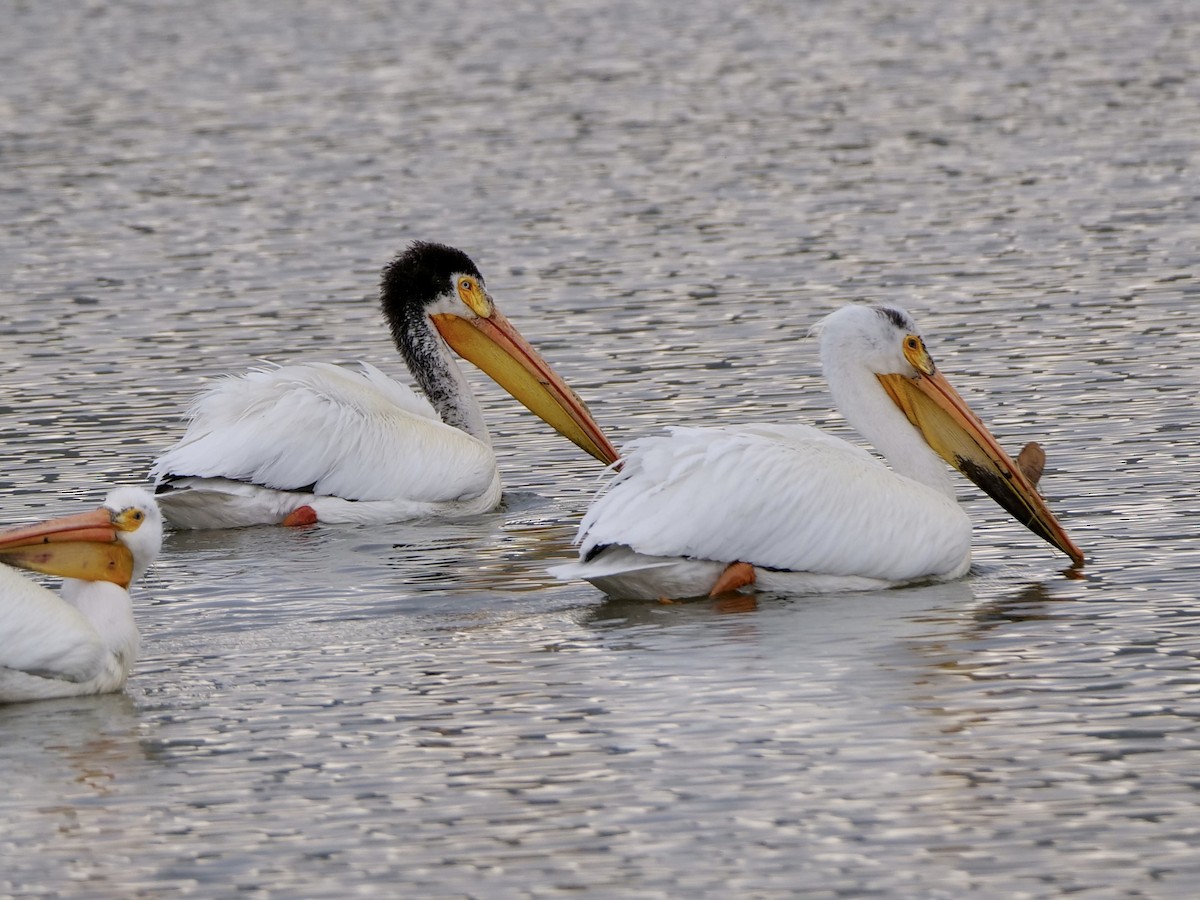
664	198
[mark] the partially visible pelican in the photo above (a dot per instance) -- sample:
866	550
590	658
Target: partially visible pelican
82	640
317	442
791	508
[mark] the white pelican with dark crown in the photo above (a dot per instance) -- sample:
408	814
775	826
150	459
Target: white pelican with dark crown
791	508
82	640
309	442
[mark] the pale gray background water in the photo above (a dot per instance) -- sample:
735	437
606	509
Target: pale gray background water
664	197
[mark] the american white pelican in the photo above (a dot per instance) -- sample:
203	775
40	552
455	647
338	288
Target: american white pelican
791	508
316	442
82	640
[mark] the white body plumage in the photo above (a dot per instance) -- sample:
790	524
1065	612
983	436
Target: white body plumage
811	512
368	448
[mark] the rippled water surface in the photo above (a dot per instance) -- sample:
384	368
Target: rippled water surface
665	198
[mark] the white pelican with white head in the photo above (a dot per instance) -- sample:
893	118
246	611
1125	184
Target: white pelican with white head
791	508
82	640
317	442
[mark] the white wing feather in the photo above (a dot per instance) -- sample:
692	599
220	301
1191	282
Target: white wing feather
43	635
357	435
778	496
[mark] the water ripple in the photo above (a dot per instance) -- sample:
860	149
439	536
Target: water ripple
665	199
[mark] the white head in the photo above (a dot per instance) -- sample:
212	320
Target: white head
859	343
872	337
886	384
139	524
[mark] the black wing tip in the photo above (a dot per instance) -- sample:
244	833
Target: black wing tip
594	552
167	484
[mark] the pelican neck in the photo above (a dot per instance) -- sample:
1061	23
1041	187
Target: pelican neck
439	375
863	402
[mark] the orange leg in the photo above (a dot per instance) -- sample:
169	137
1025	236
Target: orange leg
736	575
301	515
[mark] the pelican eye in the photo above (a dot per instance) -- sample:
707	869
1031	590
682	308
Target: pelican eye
472	293
129	519
916	354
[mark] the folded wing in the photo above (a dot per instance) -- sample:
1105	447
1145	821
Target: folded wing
777	496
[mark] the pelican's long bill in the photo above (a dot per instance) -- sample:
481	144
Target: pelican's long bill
495	346
935	409
83	546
